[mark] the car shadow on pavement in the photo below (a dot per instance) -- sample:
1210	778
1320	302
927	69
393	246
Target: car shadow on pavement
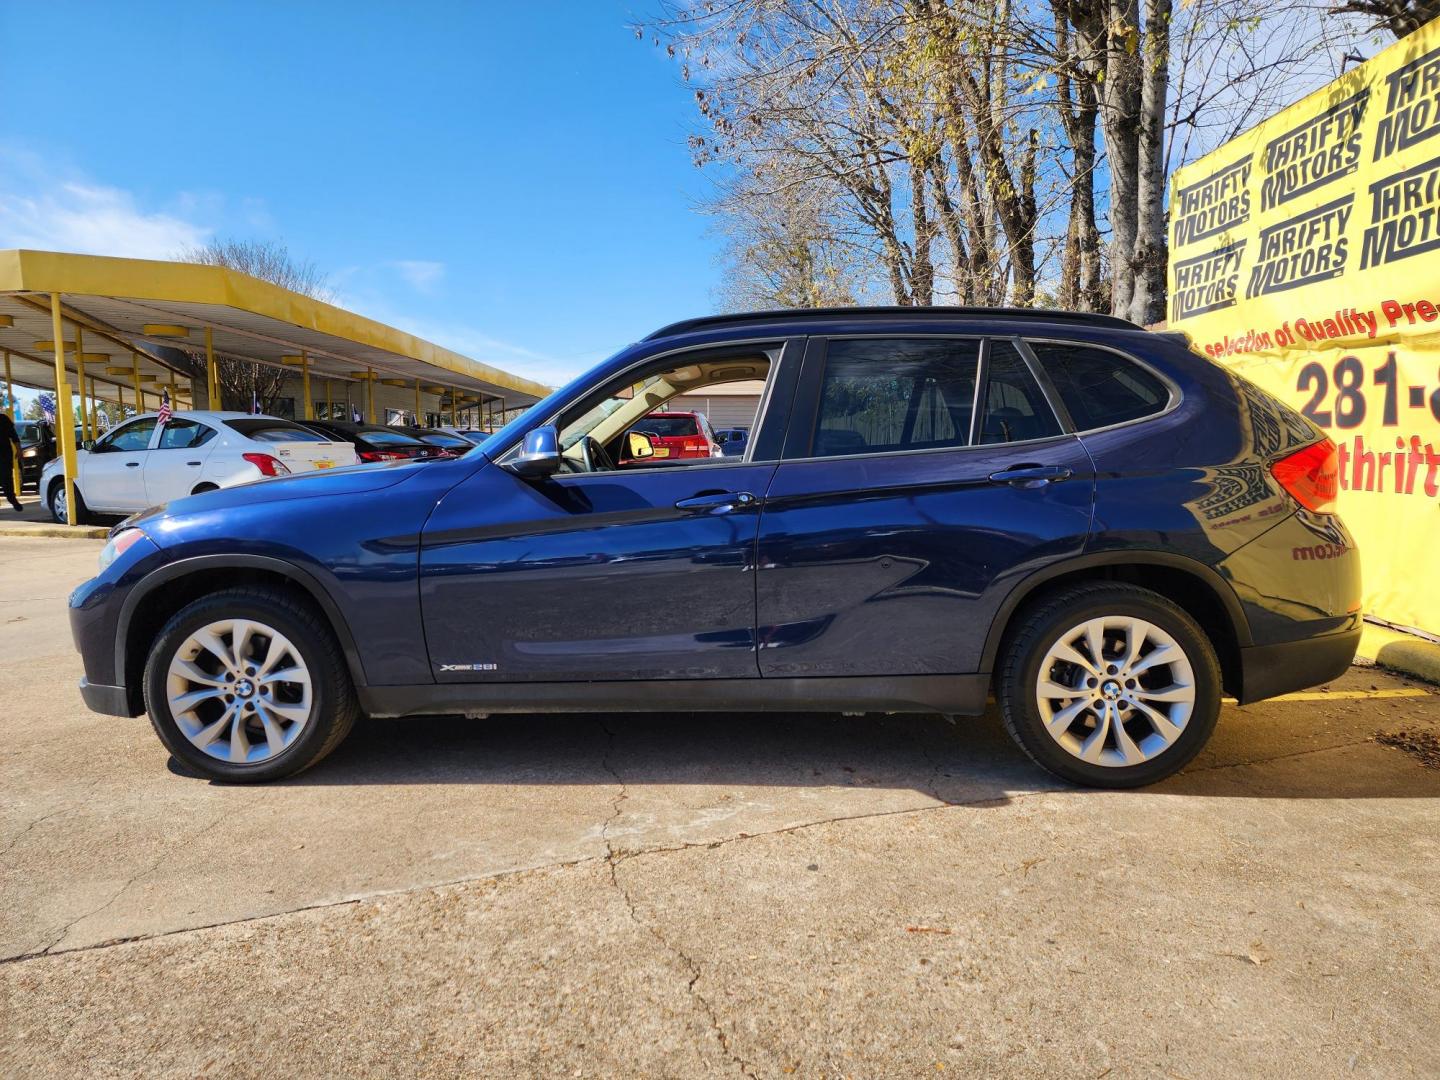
970	760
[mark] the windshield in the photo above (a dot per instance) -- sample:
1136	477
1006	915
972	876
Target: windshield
544	407
28	430
667	427
382	437
274	431
440	438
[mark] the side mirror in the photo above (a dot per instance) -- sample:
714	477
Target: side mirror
539	454
638	446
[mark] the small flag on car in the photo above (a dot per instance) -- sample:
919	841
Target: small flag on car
164	415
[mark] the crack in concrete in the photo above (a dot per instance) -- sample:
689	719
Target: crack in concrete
611	856
65	930
612	862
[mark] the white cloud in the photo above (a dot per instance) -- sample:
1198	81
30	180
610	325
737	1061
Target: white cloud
421	275
69	213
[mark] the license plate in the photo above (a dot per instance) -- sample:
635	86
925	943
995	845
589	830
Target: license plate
662	451
324	464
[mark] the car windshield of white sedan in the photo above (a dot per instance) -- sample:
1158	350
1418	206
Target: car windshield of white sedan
275	431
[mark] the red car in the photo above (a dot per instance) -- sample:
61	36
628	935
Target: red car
678	435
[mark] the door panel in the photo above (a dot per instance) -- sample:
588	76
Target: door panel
175	465
594	576
112	475
896	564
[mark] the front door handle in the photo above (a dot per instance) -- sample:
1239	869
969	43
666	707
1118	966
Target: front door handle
192	463
132	464
717	501
1031	476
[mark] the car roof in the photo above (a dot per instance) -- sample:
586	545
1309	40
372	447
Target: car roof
671	412
821	315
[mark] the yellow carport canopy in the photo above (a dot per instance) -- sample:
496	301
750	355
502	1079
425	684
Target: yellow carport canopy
124	306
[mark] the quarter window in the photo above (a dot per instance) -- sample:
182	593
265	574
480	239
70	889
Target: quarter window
1015	406
1099	387
888	394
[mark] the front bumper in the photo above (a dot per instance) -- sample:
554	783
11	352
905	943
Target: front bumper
110	700
1267	671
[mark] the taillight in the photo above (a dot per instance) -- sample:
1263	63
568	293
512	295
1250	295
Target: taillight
379	455
1311	476
268	466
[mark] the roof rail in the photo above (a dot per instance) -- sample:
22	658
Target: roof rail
705	322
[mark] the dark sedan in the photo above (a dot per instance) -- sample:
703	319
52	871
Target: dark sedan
376	442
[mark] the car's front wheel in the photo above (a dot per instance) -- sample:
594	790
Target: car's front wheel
247	685
1109	685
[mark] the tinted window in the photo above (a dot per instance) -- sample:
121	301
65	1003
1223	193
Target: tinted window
440	438
1015	406
133	436
381	437
1098	387
887	394
184	435
667	427
262	430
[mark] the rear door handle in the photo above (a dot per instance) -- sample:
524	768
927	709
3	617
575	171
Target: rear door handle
132	464
717	501
192	463
1031	476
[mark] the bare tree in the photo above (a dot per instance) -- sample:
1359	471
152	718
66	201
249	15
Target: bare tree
1399	17
953	143
243	382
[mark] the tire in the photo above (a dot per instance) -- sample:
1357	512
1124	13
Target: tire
310	724
56	495
1159	731
200	489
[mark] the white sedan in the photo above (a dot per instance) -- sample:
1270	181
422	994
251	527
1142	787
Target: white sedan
144	463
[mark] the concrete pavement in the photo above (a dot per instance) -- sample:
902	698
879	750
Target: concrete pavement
686	894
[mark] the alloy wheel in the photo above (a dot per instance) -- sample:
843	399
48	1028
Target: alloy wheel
1115	691
239	691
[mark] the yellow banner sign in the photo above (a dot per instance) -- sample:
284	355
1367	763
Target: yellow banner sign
1306	255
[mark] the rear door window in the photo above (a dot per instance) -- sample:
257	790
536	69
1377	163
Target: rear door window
1015	408
1100	387
184	435
882	395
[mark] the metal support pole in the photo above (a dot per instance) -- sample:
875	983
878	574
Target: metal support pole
80	379
10	412
64	413
370	393
419	420
329	400
212	372
309	411
135	382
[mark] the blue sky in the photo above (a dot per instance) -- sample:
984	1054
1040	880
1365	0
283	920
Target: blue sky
508	180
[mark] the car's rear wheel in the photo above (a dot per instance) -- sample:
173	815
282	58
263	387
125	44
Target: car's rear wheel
248	685
1109	685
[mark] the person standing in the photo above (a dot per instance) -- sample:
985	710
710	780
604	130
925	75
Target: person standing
9	454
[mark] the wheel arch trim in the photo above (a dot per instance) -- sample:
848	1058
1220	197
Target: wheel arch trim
171	572
1028	586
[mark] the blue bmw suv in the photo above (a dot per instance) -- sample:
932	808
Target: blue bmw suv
1101	527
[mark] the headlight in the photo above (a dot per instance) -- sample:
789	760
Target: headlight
32	452
118	544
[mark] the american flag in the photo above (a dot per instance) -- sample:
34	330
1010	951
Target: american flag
47	409
164	416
